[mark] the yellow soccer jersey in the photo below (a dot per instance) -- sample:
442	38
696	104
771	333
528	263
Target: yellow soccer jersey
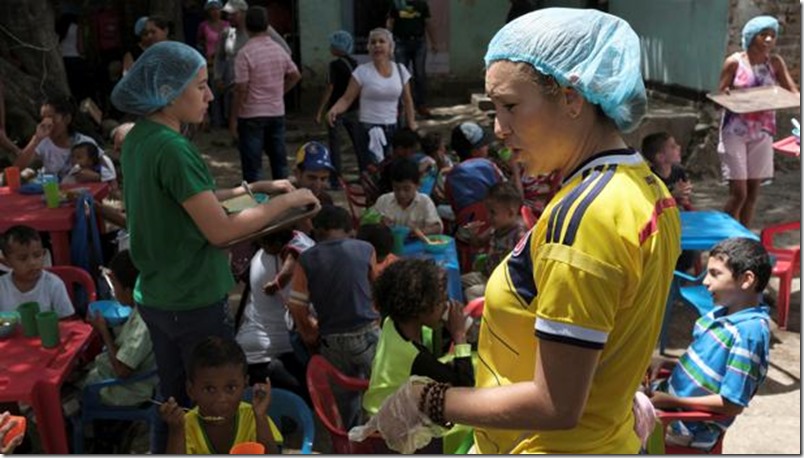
196	439
594	271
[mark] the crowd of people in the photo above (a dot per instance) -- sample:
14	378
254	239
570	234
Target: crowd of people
568	234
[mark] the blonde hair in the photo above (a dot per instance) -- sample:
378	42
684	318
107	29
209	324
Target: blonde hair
389	37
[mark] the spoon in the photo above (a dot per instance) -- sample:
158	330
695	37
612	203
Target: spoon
202	417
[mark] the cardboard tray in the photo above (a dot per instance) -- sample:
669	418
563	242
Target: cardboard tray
756	99
285	220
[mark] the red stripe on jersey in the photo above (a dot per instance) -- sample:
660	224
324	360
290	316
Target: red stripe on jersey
652	225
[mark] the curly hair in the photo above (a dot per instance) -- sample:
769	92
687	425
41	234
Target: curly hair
409	288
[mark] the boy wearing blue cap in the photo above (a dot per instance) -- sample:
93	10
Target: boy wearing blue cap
313	169
338	76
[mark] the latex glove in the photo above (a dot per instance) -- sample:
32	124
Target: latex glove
399	421
644	417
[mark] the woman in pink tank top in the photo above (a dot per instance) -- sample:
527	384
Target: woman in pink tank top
746	151
209	30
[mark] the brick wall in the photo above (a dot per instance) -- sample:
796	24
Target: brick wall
788	12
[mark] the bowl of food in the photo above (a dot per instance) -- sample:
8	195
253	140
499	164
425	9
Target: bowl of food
113	312
437	243
9	322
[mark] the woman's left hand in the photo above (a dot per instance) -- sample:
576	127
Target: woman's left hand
262	397
273	187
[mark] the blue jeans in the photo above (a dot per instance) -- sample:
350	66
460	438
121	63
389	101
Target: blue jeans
351	353
256	134
174	336
364	156
412	52
350	124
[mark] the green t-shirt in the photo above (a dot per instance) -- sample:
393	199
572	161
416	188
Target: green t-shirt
179	268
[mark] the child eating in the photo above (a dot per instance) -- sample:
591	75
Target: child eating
216	381
406	206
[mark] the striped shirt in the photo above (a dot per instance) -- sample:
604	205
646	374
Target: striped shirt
262	65
728	356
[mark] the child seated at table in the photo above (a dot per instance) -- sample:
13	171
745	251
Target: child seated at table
506	229
28	281
411	293
434	147
382	239
406	206
216	380
263	333
376	181
335	276
129	352
727	361
86	164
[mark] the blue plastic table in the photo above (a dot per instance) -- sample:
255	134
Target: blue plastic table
447	259
702	230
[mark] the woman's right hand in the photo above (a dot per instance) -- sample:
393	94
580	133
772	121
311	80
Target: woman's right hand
332	117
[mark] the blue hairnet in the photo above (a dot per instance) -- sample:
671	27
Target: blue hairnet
342	41
160	75
756	25
139	26
595	53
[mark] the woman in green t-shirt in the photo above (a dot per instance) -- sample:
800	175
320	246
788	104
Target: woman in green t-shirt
174	213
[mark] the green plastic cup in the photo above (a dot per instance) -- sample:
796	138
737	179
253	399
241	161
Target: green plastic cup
28	312
48	324
400	233
52	198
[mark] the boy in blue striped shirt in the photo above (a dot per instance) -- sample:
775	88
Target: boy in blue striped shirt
728	358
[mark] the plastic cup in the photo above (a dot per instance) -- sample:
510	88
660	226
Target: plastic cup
28	312
247	448
48	324
52	198
400	233
12	178
16	430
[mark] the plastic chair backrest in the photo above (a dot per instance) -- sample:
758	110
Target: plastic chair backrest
356	197
285	403
72	276
92	408
321	376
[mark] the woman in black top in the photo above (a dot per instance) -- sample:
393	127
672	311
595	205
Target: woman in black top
340	71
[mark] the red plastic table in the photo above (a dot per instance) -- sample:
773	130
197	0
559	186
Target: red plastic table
16	208
32	374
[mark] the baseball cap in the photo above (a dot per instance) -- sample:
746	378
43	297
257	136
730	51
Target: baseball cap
313	156
235	5
468	136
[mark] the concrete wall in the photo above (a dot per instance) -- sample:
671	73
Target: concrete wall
683	41
472	25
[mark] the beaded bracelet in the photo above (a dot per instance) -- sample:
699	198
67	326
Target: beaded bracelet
433	397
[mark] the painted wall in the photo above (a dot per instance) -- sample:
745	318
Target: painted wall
471	24
683	41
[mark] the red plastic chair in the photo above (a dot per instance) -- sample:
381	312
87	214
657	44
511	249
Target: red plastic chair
356	196
787	266
474	308
321	375
72	276
667	417
475	212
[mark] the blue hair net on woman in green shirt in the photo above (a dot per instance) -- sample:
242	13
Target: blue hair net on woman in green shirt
756	25
595	53
158	76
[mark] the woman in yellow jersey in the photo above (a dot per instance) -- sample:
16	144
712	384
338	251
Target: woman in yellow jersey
573	313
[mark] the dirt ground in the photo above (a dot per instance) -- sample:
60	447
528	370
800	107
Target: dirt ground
771	425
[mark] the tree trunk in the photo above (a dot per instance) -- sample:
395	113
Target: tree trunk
31	66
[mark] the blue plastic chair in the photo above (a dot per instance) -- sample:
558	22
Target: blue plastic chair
93	409
288	404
